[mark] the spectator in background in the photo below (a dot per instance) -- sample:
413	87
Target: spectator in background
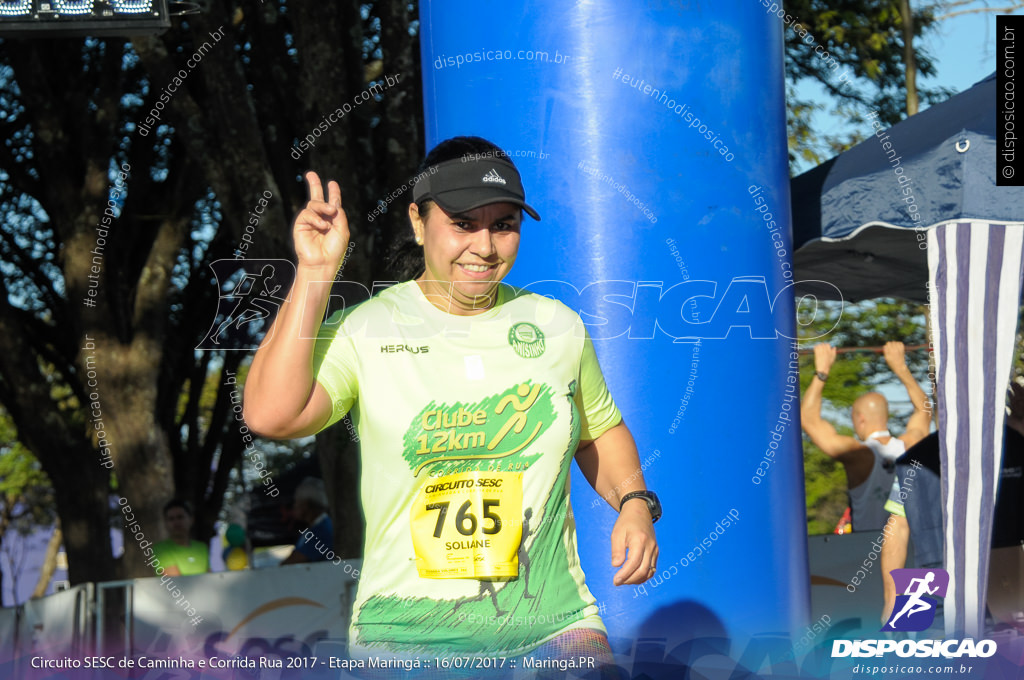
180	555
916	517
310	508
915	501
868	460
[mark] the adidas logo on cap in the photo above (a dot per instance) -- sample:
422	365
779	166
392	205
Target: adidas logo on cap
493	176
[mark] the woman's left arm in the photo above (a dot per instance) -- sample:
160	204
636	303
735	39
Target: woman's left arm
612	466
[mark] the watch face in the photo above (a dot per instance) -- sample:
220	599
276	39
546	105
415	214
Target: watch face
655	505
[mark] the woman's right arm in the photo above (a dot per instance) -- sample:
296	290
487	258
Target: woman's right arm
282	398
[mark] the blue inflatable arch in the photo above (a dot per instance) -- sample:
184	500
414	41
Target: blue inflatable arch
652	141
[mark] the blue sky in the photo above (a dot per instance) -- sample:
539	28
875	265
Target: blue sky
964	47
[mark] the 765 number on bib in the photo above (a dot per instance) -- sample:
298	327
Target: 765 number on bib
465	521
468	525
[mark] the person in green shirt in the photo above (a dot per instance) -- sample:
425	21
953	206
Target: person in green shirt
472	399
179	555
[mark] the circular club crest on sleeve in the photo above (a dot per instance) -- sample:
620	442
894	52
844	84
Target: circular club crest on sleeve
526	339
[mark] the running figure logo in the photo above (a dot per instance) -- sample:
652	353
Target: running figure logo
250	293
914	610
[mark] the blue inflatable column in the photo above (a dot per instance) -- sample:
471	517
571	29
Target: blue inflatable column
651	139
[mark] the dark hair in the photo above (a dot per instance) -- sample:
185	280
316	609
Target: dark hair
177	503
405	260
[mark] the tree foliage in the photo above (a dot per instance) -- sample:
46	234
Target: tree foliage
824	487
98	336
26	496
865	69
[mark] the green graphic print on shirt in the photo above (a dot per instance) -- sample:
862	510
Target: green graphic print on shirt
491	435
496	428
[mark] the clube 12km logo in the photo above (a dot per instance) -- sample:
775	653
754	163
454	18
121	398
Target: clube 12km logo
914	611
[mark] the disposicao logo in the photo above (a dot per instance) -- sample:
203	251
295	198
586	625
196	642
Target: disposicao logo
914	609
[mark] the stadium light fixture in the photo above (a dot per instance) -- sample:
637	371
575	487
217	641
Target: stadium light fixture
68	18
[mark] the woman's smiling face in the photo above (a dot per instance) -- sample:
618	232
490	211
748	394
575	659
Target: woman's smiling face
466	254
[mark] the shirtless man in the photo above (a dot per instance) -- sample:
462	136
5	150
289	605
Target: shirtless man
868	459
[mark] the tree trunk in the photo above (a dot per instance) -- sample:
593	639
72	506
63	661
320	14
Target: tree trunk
402	143
80	484
339	464
49	562
74	110
5	522
909	59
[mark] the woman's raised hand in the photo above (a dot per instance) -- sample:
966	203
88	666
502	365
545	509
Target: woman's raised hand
321	229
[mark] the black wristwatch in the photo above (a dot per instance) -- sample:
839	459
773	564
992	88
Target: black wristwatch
653	504
822	375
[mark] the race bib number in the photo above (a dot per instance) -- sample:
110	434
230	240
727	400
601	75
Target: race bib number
469	525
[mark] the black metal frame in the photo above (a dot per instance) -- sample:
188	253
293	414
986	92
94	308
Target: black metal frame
45	20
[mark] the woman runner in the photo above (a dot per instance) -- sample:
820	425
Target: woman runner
471	399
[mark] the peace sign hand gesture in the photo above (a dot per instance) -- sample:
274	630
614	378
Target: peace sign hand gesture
321	231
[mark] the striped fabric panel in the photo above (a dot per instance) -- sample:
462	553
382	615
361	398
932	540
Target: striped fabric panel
975	283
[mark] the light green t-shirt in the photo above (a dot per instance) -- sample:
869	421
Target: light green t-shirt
193	558
511	390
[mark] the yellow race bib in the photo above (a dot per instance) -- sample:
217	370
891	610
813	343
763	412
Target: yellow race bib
468	525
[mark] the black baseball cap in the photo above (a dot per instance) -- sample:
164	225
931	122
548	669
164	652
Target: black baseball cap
472	181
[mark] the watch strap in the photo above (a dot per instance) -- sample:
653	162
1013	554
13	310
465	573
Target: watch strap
653	504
